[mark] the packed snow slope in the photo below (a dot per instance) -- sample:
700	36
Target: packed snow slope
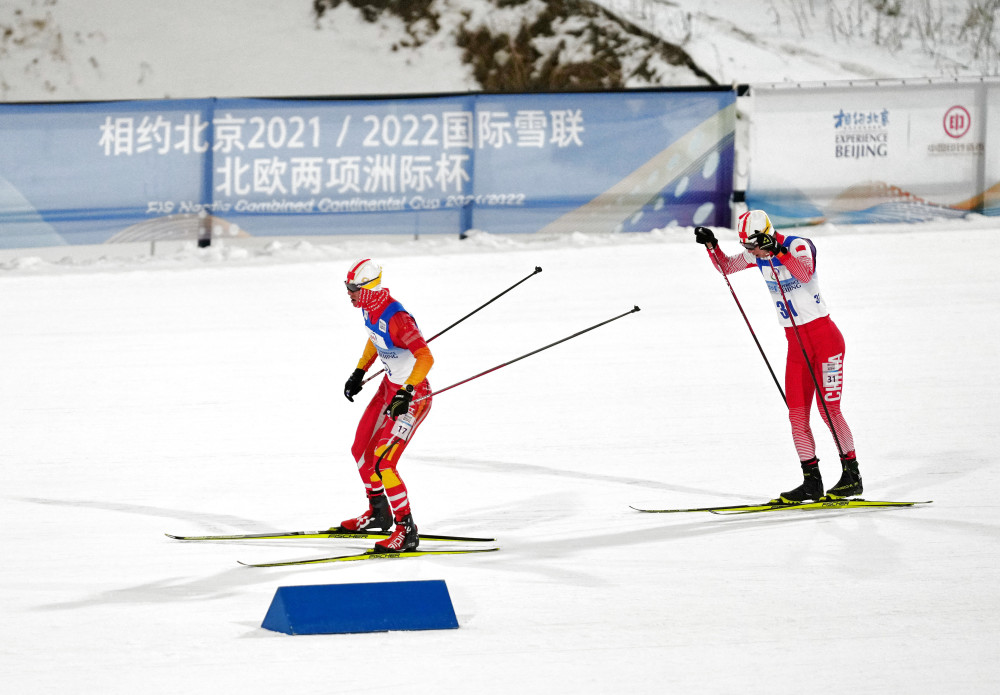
200	391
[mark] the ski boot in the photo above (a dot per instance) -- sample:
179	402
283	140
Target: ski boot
849	484
811	487
403	538
378	517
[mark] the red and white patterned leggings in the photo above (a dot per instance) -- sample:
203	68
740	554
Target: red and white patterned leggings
824	344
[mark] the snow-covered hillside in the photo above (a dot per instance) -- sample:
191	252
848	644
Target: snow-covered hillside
754	41
53	50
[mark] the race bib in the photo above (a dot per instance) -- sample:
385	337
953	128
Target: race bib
403	427
833	378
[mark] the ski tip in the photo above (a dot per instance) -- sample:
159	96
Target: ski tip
267	564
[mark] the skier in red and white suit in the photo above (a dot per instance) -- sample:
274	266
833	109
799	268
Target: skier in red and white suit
392	416
793	260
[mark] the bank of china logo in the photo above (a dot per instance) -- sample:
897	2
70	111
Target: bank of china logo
957	122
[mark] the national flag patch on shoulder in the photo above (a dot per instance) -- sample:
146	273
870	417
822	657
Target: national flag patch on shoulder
800	247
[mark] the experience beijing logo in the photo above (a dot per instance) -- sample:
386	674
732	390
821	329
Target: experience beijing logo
861	134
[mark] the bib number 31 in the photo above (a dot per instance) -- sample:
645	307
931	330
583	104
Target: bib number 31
783	310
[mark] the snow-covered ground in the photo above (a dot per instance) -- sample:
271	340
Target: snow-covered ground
200	391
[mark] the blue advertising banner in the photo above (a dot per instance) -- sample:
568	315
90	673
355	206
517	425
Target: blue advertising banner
80	173
606	163
139	171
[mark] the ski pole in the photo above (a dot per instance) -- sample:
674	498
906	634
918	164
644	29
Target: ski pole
754	335
537	270
795	329
533	352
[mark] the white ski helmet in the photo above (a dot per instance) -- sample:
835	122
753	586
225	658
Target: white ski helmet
364	274
753	222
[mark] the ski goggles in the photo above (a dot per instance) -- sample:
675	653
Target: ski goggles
366	285
756	240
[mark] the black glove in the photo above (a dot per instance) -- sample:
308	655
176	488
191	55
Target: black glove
400	403
766	242
353	386
704	235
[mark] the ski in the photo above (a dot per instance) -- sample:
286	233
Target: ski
333	532
700	509
822	504
368	555
777	506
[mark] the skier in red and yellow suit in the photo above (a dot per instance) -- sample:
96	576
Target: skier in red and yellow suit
394	413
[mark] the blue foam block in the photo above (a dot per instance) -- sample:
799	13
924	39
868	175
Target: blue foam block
369	607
